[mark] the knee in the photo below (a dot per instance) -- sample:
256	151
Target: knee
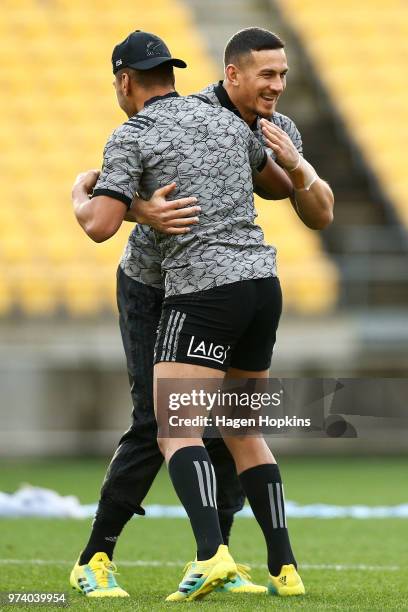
249	452
168	446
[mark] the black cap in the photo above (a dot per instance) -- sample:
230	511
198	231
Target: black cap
142	51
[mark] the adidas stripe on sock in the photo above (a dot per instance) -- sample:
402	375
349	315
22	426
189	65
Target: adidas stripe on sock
263	487
193	478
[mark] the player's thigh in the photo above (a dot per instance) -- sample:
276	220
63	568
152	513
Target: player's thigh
180	372
190	436
248	451
139	308
196	335
189	349
139	314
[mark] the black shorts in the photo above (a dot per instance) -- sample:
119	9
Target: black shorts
232	325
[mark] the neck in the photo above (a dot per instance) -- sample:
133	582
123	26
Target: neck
153	92
247	115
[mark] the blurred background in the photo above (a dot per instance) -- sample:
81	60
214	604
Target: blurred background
63	380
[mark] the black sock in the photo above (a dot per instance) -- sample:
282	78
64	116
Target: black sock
193	478
226	520
263	487
109	521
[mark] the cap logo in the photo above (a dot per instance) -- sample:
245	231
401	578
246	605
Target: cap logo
118	62
153	48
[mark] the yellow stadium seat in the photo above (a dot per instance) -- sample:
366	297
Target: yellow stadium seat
361	51
84	295
52	132
16	248
37	294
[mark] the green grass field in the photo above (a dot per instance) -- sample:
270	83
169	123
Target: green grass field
152	552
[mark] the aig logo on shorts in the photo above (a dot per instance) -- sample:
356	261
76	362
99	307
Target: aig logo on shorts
205	349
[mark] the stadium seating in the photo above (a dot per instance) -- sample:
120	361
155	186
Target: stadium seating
360	51
58	108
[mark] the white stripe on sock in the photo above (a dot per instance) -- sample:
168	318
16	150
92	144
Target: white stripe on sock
209	487
200	482
283	506
279	500
272	504
214	486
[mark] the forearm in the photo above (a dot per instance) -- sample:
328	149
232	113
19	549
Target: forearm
312	198
83	208
273	181
100	217
314	205
262	193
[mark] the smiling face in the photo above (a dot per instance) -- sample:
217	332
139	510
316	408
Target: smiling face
256	81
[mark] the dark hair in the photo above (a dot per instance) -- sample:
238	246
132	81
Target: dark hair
250	39
159	75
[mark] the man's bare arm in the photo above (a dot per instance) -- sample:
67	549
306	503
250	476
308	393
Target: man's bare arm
315	205
274	181
312	197
100	217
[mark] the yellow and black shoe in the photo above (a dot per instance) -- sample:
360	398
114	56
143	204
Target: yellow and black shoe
287	583
96	578
202	577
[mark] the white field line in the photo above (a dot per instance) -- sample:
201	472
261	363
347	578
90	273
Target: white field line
306	566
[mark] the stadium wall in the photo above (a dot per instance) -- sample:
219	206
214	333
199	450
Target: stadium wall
64	388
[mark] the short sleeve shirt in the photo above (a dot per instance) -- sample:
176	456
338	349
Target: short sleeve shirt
142	259
209	153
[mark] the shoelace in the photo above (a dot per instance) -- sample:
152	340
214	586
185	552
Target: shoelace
187	567
102	571
243	571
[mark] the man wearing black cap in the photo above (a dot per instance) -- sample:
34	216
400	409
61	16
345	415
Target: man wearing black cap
101	216
146	52
143	51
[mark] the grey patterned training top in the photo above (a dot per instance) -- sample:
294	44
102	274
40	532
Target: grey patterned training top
141	259
211	154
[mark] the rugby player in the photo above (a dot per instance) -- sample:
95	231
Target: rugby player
240	45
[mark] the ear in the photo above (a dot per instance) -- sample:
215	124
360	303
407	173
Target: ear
232	74
125	83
